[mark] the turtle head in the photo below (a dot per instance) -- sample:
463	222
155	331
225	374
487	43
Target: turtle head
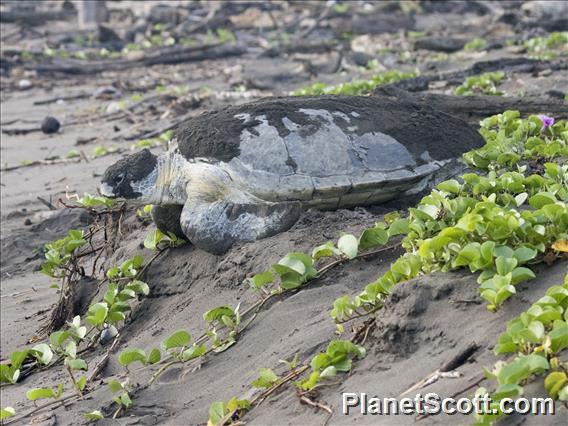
133	177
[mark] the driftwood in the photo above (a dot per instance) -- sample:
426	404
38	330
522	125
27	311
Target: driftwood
21	131
474	108
170	55
36	17
62	98
518	65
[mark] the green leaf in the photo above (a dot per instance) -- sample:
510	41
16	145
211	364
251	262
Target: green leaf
177	340
507	390
153	239
430	210
524	254
113	272
130	355
195	351
139	287
372	237
216	313
96	314
9	374
94	415
43	353
348	245
537	329
293	263
451	186
38	393
468	255
554	382
115	386
311	381
505	265
17	358
330	371
522	274
125	400
266	378
7	412
542	199
81	383
154	356
57	338
76	364
537	363
238	404
325	250
216	412
559	338
261	279
398	227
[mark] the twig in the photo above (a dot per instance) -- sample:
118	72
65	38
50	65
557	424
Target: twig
47	203
477	381
101	364
62	98
316	404
459	359
42	162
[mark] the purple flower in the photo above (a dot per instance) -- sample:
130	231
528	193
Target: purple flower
546	121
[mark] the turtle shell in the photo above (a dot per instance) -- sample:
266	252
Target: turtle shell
326	147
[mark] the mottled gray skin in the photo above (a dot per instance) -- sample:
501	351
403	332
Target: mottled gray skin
273	158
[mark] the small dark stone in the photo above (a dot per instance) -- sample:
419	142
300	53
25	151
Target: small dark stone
27	222
361	58
553	93
50	125
106	35
440	44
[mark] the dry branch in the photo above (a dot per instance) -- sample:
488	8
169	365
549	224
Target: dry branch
168	55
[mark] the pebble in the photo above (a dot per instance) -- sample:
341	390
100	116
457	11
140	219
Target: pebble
50	125
24	84
108	334
113	107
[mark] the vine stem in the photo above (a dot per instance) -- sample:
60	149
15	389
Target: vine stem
162	369
61	401
145	267
79	394
361	315
371	253
324	270
257	400
256	307
57	402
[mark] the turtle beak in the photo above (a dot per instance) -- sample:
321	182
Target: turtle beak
106	190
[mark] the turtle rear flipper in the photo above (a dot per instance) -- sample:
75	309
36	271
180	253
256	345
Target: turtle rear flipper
167	219
215	226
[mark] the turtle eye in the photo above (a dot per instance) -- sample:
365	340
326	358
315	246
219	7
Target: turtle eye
118	179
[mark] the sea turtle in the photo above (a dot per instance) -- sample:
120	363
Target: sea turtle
246	172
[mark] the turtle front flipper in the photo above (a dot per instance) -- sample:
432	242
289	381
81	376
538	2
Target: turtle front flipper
167	219
215	226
